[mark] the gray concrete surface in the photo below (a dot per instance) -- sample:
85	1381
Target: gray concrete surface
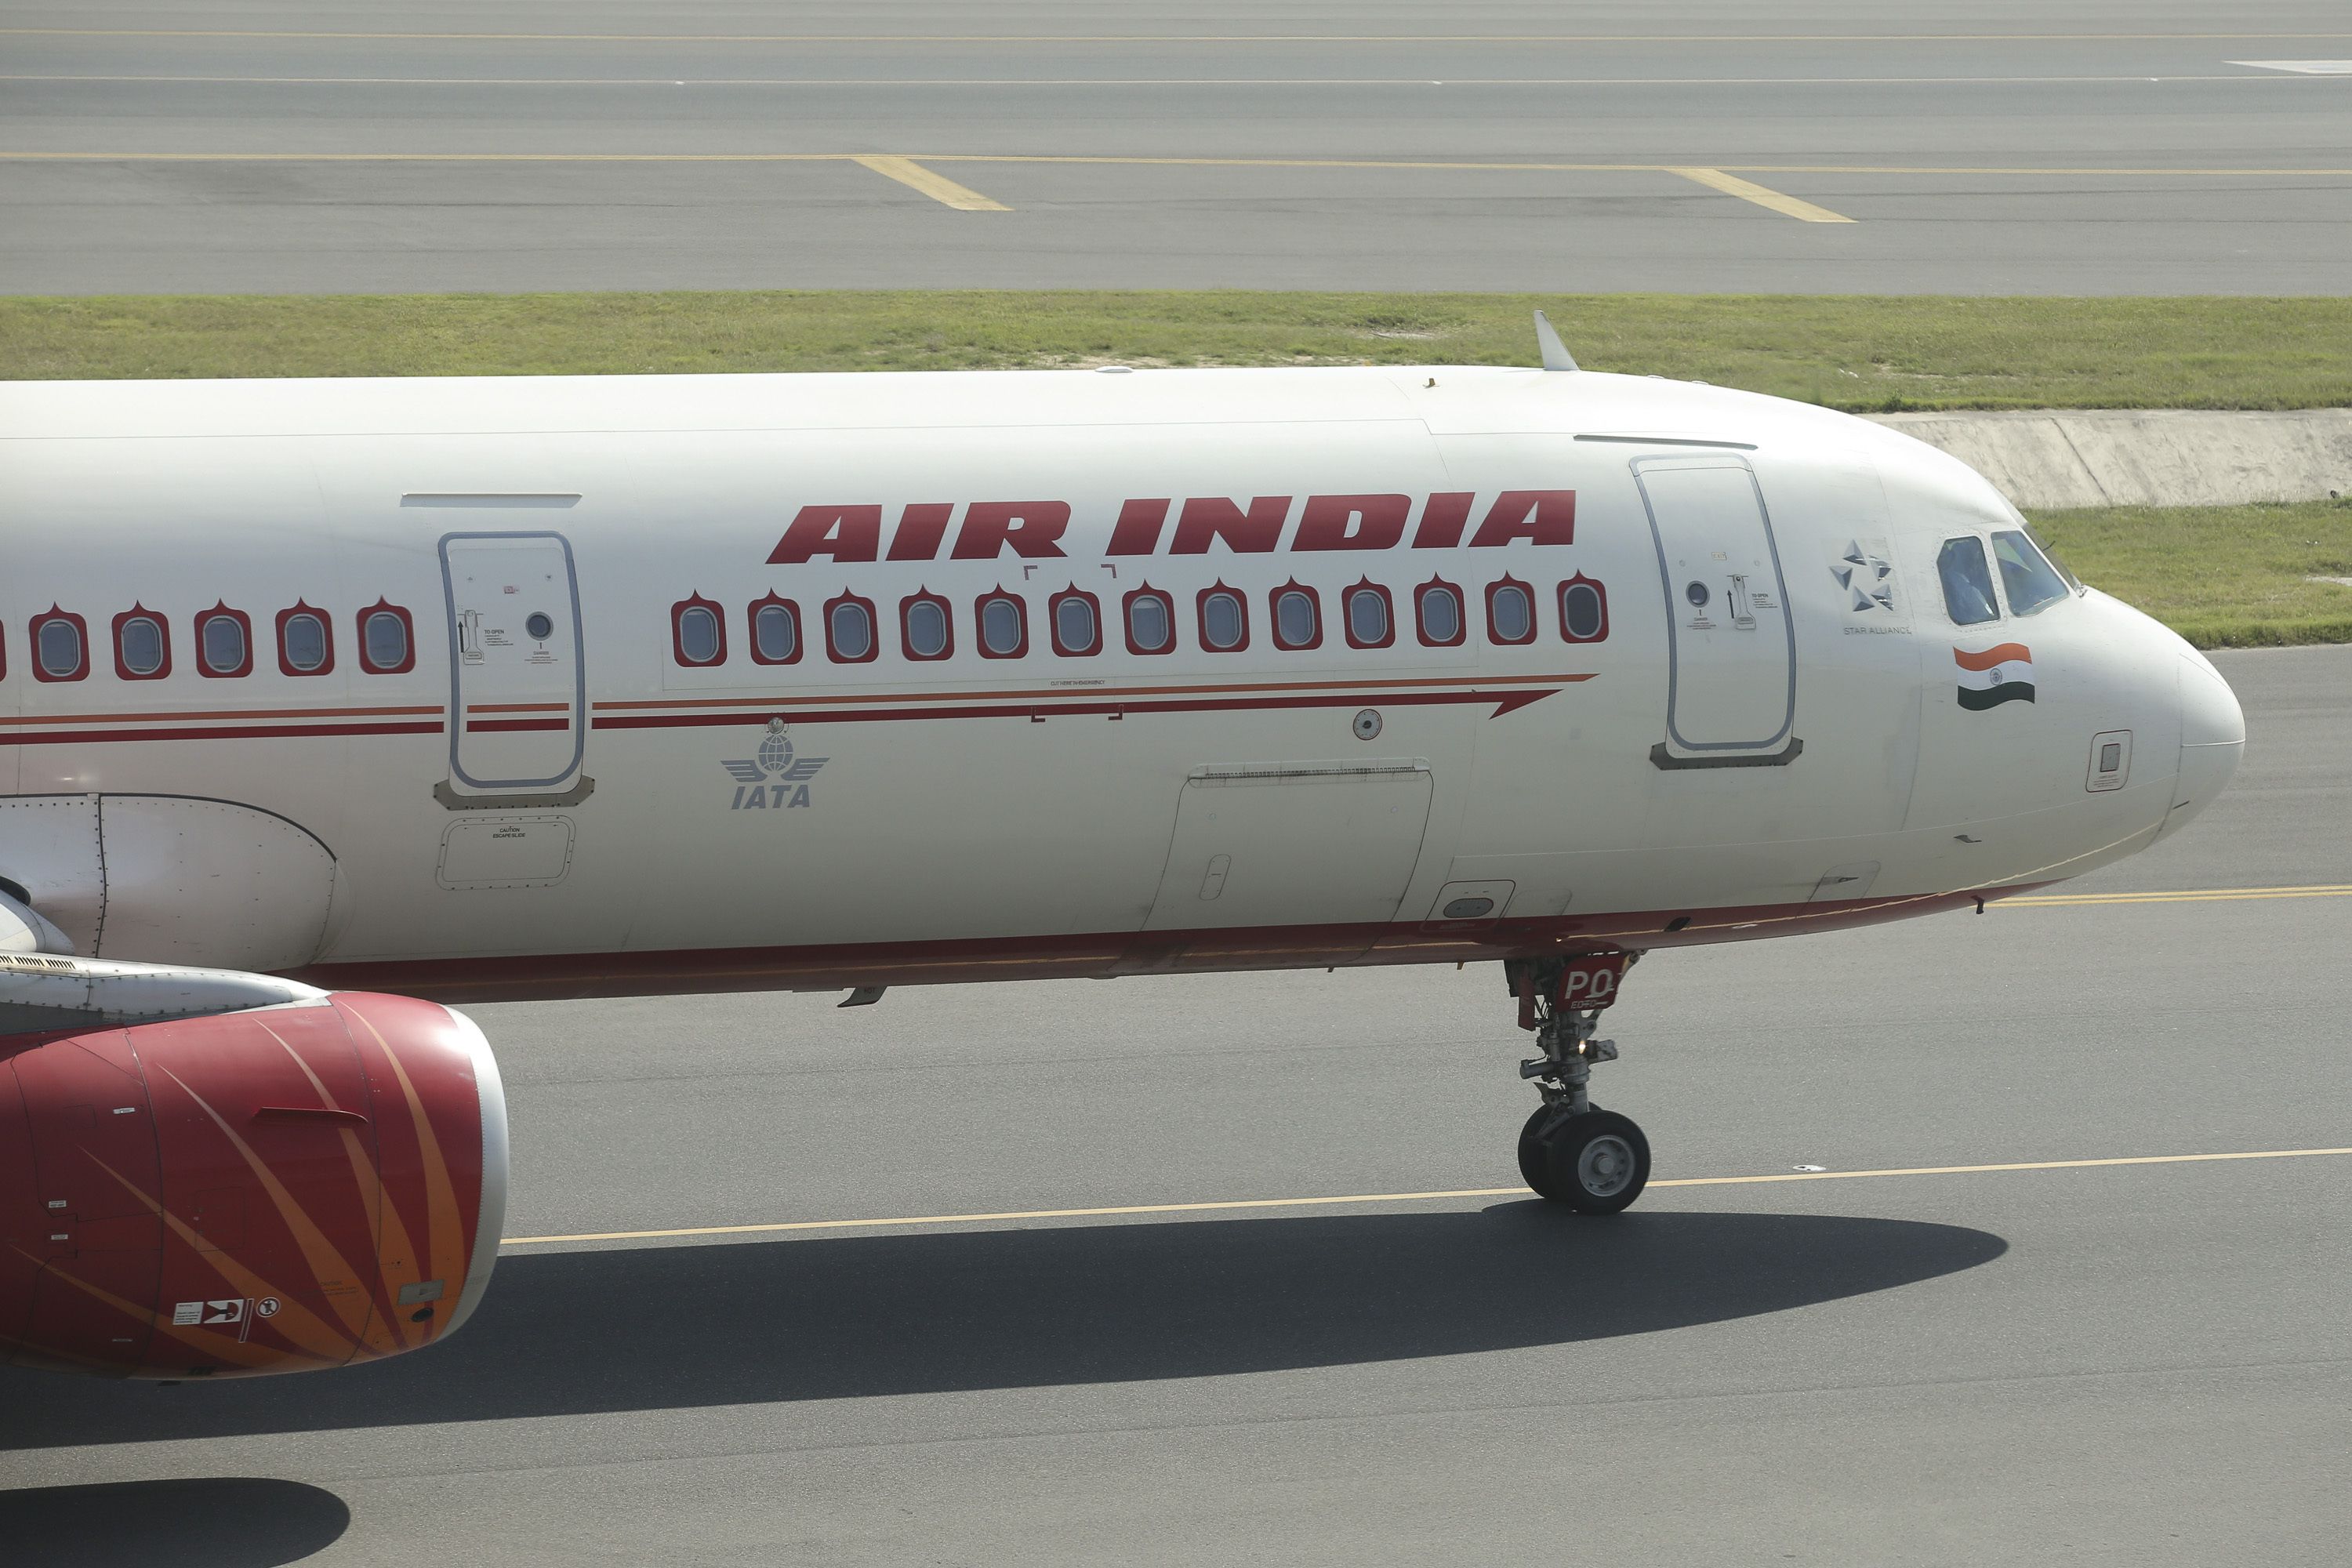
2146	457
2130	1365
2080	146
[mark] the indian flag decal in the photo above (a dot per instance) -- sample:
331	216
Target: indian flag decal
2002	673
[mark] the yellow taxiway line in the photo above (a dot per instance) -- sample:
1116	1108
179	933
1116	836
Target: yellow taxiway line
1139	161
938	188
2194	896
1158	37
1747	191
1356	1199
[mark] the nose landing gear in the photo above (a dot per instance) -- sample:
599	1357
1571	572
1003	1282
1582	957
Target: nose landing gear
1571	1151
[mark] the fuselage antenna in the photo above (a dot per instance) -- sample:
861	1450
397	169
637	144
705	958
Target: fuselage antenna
1555	352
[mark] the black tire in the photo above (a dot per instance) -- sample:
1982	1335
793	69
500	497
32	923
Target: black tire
1534	1168
1597	1163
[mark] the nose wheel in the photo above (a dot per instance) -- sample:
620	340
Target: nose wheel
1596	1162
1572	1152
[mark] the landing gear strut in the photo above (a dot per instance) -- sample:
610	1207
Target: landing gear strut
1572	1151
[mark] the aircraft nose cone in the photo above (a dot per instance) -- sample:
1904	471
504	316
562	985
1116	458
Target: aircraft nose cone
2213	738
2209	714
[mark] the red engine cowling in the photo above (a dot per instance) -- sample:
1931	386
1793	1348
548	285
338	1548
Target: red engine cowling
284	1189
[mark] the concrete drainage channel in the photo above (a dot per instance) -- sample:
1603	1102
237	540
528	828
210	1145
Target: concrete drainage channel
2056	458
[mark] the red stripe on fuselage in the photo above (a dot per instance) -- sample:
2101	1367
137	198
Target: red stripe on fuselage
1101	954
236	732
1044	705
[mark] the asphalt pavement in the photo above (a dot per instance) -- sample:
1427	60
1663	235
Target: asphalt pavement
2138	1363
2075	147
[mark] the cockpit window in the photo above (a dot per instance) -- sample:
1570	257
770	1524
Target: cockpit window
1967	582
2026	572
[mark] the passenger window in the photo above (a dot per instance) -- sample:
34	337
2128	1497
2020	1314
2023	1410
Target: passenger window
849	631
1224	623
1150	622
384	639
1296	621
923	622
59	652
1365	607
1003	627
2025	573
141	652
775	632
224	643
304	646
1076	630
1583	610
1967	582
1437	608
1510	612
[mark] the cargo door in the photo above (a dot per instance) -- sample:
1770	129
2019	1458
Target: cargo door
1292	844
518	688
1731	681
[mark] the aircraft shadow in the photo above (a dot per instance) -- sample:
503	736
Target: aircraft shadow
844	1317
224	1522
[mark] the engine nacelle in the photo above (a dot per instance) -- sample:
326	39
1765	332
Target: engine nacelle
279	1189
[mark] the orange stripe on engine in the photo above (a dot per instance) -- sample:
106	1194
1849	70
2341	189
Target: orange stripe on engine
325	1262
445	1231
391	1236
294	1322
1999	653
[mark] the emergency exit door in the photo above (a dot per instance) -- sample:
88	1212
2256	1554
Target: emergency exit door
1731	669
518	692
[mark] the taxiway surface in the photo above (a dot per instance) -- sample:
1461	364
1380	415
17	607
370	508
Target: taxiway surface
2140	1363
2074	147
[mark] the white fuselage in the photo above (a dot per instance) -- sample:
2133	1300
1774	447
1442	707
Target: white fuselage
542	786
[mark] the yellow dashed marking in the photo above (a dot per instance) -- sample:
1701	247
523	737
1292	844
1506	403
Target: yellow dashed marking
938	188
1010	1215
1763	197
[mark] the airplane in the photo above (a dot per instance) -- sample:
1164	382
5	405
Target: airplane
330	706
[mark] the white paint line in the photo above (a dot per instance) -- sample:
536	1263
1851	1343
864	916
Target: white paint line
2301	67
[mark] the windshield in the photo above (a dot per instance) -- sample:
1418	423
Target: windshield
1968	583
2026	572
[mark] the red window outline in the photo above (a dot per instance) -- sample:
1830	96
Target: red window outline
1420	613
221	611
139	612
407	638
326	638
1347	597
3	653
1201	616
751	630
82	636
1274	617
1496	587
677	632
873	629
1054	622
980	623
1126	620
947	619
1600	592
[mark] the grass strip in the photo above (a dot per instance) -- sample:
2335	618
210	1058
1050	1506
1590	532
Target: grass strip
2221	576
1866	353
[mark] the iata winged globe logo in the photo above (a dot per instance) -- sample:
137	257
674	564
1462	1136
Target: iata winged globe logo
775	778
